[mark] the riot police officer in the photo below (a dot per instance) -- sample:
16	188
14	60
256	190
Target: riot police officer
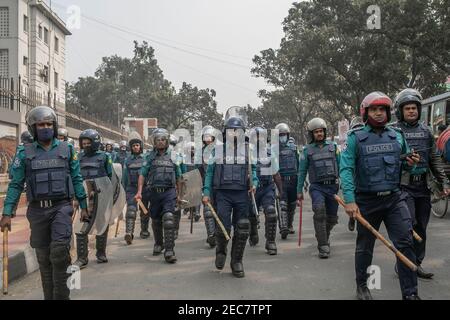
51	171
130	176
63	134
25	138
122	154
408	109
267	169
229	176
93	164
173	141
188	166
163	176
115	151
320	160
370	169
288	159
109	147
208	139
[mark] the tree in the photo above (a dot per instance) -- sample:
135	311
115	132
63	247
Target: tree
138	87
329	57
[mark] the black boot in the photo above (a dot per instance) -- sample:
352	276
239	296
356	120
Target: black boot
320	226
60	259
284	220
46	270
169	237
82	251
421	273
144	226
177	217
158	235
271	230
210	227
197	214
331	222
221	248
254	238
100	245
129	230
130	219
363	293
240	236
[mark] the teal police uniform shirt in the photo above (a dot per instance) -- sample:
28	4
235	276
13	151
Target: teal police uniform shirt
348	161
304	163
16	185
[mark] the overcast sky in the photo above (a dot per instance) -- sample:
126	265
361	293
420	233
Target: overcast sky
203	31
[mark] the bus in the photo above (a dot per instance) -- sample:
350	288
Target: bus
436	111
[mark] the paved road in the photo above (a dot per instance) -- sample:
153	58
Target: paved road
295	273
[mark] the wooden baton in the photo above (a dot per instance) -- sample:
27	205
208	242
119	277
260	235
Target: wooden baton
143	208
380	237
218	221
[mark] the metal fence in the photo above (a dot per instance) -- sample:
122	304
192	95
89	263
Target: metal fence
17	97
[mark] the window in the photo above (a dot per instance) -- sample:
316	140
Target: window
4	63
438	115
56	44
4	22
46	35
25	23
45	74
40	32
56	80
25	63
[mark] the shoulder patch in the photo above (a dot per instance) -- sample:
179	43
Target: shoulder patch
17	162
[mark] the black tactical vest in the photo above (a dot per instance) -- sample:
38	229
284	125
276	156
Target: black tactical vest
419	138
162	171
322	163
92	167
232	174
48	173
134	165
288	160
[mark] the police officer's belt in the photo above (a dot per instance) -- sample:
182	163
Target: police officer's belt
289	178
46	203
378	194
329	182
159	190
414	179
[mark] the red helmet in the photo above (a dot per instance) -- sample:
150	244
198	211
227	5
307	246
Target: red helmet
375	98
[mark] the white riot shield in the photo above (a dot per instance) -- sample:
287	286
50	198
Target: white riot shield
99	201
119	196
191	190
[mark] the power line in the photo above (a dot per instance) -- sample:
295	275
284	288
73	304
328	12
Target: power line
148	38
191	68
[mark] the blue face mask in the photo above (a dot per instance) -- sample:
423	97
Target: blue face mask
45	135
283	139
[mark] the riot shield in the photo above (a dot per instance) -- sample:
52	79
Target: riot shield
191	190
119	197
238	112
99	202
